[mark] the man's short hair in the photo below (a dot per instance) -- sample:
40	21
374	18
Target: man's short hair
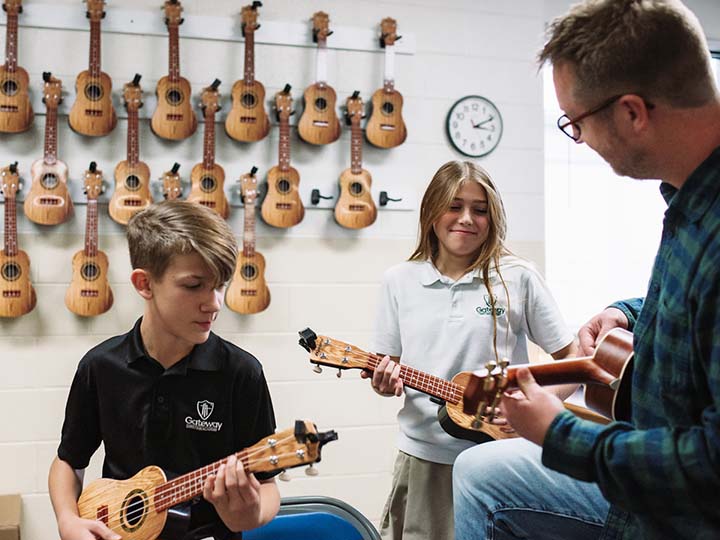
163	230
653	48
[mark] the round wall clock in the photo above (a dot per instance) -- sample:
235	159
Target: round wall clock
474	126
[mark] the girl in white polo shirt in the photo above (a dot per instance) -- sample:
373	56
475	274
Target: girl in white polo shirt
460	300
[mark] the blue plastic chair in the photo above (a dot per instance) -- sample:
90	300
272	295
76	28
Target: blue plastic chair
315	518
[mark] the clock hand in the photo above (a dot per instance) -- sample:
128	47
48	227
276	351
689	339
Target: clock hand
477	126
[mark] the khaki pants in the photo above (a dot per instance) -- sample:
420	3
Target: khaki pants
420	503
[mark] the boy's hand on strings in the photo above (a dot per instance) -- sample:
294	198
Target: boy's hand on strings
386	378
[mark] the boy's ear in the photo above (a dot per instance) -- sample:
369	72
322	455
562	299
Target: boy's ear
141	281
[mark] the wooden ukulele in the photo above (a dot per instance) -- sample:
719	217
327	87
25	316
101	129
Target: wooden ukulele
89	293
606	374
174	117
18	295
132	176
247	120
208	178
386	127
93	113
172	187
282	206
16	112
48	201
138	507
355	208
319	123
248	292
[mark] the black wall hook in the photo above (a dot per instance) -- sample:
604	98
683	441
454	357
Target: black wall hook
315	196
384	199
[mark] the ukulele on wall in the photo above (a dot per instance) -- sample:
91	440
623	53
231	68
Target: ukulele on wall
172	187
174	117
355	208
319	123
247	120
16	112
132	176
208	178
282	206
18	296
48	201
89	293
248	293
386	127
93	113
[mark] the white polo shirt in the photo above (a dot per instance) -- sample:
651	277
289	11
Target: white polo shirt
442	327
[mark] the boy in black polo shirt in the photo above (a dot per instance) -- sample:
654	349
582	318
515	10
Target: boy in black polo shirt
170	392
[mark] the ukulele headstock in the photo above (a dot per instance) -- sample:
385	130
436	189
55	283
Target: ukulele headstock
248	186
485	388
132	94
283	103
249	16
321	27
173	12
325	351
95	10
210	98
93	183
172	187
52	91
10	181
354	108
388	32
12	7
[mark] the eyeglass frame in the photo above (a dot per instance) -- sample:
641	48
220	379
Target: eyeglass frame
573	122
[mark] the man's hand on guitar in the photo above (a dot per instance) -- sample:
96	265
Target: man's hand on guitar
593	330
77	528
532	410
386	378
235	495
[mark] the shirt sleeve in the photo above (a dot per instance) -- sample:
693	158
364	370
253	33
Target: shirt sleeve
631	308
545	323
386	338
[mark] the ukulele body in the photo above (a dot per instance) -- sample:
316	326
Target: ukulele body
282	206
48	202
18	295
319	123
248	292
386	127
89	293
132	193
93	113
247	120
16	114
207	188
174	118
355	208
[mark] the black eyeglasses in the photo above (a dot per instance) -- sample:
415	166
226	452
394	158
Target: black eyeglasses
570	127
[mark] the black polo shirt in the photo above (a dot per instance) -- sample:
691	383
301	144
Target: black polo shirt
210	404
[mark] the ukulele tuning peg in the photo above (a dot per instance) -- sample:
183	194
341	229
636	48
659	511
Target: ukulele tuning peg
339	373
317	369
491	365
284	476
311	471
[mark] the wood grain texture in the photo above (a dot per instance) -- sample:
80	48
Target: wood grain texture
248	292
207	188
89	297
128	200
48	201
17	296
355	208
282	206
247	120
174	118
319	122
93	113
16	113
386	127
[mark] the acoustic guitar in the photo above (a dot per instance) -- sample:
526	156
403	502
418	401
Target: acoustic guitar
174	117
172	187
18	296
132	176
89	293
386	127
93	113
319	123
355	208
282	206
137	508
48	201
208	178
16	112
606	374
247	120
248	292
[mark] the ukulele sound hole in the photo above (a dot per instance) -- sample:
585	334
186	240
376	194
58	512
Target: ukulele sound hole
248	100
248	272
132	182
321	104
134	510
90	271
174	97
388	107
9	87
207	184
93	92
11	271
356	188
283	186
49	181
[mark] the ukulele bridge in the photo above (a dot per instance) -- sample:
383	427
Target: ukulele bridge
12	294
248	120
174	117
8	108
93	112
387	127
320	123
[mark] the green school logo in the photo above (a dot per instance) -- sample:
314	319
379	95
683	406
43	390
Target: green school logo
487	310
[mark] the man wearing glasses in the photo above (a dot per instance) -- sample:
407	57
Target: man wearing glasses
634	80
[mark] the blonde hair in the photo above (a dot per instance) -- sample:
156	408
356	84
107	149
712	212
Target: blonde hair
439	195
655	48
163	230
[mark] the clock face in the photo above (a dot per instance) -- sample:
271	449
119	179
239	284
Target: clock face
474	126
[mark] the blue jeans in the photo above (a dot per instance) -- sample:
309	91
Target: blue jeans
502	491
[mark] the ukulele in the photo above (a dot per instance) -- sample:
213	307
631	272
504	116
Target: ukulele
16	112
319	123
282	206
355	208
172	187
386	127
93	113
89	293
138	507
18	295
173	118
247	120
132	176
48	201
207	178
607	376
248	293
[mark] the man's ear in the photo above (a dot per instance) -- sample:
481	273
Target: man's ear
140	279
635	109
